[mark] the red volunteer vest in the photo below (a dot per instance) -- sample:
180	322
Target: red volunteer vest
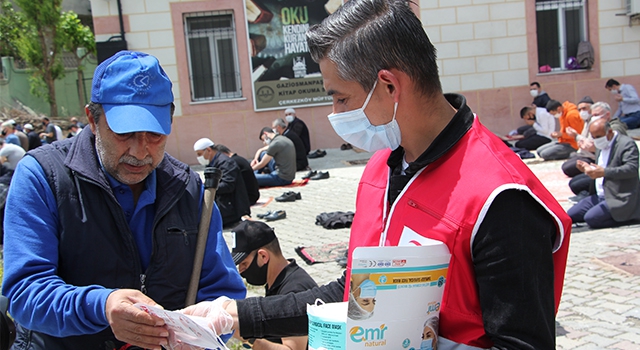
447	201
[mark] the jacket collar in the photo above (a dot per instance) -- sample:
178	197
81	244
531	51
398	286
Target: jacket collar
450	135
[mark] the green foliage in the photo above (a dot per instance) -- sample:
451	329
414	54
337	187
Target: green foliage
76	35
38	34
12	25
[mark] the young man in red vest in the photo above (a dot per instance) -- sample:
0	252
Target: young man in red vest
438	174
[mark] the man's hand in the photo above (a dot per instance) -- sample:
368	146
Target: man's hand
132	325
556	134
594	171
587	145
618	97
571	131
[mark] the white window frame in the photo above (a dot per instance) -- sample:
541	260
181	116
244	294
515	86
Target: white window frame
562	6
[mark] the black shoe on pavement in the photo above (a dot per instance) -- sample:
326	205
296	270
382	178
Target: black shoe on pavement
321	175
309	174
262	216
276	215
288	197
317	154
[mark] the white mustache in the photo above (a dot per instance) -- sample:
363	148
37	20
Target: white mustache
131	160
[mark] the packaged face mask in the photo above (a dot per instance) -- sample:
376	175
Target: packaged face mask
377	314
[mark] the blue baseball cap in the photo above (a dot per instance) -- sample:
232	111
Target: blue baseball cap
134	92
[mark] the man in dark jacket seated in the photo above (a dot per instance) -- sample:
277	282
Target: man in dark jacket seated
231	196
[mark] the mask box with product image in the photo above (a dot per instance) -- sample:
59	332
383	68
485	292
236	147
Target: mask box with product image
394	302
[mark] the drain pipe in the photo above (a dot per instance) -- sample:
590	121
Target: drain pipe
121	20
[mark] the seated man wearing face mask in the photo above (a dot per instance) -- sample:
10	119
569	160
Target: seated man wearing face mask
282	151
617	196
260	261
297	126
567	114
540	97
580	182
584	140
231	196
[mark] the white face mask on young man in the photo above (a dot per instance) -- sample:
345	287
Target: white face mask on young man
355	128
534	92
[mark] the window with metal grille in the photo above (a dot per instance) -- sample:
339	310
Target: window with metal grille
561	25
213	56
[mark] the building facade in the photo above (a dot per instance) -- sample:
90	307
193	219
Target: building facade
488	50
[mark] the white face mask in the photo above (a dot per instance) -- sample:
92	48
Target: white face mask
614	92
203	161
557	115
267	140
289	118
355	128
601	142
585	115
534	92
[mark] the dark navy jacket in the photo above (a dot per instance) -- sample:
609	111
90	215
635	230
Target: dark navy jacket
96	245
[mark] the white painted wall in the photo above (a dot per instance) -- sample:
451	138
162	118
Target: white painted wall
151	31
619	42
482	44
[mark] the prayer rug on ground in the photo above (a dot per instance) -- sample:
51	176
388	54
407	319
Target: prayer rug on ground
324	253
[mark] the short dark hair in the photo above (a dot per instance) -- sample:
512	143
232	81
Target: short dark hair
552	105
352	39
535	83
265	129
221	148
524	111
610	83
274	246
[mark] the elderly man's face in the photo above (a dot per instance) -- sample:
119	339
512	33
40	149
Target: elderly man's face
129	157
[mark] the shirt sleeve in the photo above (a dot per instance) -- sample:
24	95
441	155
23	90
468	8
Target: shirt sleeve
275	147
40	300
512	256
284	315
219	276
547	122
629	94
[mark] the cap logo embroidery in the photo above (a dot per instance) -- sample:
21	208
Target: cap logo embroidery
141	81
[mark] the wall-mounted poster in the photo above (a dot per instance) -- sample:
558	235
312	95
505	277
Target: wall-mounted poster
283	73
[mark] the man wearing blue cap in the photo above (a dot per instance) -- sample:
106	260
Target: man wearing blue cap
107	219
